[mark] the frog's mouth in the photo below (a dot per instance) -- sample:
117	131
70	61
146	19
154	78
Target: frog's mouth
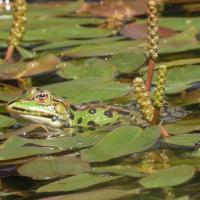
23	111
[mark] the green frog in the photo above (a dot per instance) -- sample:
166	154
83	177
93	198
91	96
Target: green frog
40	106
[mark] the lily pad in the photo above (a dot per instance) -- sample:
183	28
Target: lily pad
88	68
18	147
120	142
103	49
168	177
54	167
6	121
119	170
67	43
51	22
44	64
128	62
184	139
88	89
181	42
183	126
77	182
73	31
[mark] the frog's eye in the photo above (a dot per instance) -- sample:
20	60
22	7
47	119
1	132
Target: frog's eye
30	93
42	97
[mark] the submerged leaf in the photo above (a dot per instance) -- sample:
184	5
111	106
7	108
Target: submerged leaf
120	142
168	177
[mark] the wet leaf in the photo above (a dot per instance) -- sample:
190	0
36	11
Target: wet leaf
168	177
184	139
128	62
129	139
88	89
22	69
88	68
6	121
54	167
18	147
77	182
48	34
67	43
100	194
182	78
180	23
119	170
47	22
103	49
181	42
183	126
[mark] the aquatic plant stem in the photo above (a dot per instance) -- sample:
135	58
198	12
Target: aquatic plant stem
156	114
150	72
9	54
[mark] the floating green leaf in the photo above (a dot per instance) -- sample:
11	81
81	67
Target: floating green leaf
52	22
67	43
184	139
88	68
54	167
61	32
128	62
88	89
183	126
18	147
119	170
120	142
77	182
103	49
184	41
168	177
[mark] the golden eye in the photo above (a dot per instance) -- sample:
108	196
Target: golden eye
42	97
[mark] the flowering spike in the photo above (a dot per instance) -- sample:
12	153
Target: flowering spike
143	99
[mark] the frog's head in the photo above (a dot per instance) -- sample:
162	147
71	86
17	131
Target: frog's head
40	106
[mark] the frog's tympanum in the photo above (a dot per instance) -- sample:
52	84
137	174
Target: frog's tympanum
40	106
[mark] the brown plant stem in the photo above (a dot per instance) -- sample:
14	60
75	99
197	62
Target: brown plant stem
150	72
164	132
156	115
9	54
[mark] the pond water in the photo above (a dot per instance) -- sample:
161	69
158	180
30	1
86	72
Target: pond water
83	51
